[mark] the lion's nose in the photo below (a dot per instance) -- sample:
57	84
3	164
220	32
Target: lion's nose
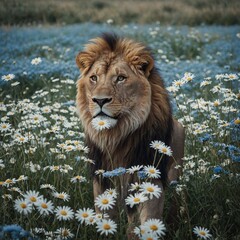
101	101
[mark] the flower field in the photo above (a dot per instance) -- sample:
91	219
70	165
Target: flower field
45	183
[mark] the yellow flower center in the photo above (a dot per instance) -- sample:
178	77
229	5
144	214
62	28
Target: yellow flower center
152	170
164	150
4	126
61	196
21	139
237	121
154	227
65	233
44	205
84	215
202	233
216	104
8	181
33	199
101	123
63	213
149	238
23	205
150	189
106	226
136	200
105	201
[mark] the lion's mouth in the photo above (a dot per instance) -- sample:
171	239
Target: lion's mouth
103	121
102	114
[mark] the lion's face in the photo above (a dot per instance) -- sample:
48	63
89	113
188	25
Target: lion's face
114	85
116	91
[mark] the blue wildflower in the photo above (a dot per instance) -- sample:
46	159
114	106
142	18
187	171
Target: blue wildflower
16	232
234	153
142	174
116	172
217	169
205	138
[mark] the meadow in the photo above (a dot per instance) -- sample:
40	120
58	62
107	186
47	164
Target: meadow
180	12
45	184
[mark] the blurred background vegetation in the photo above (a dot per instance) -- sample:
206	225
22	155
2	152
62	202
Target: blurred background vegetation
178	12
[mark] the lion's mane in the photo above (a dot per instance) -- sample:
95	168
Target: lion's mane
126	144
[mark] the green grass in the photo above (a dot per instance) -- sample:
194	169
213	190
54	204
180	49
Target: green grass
183	12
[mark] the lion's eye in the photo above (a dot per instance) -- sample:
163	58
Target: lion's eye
121	78
93	78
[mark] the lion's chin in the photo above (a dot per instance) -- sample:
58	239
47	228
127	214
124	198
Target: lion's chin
103	122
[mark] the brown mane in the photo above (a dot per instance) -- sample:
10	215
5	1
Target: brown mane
125	146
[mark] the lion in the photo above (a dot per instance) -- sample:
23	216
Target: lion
119	82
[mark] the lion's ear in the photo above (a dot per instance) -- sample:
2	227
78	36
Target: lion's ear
84	61
145	64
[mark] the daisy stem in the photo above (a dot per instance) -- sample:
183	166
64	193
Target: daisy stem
159	161
155	157
77	231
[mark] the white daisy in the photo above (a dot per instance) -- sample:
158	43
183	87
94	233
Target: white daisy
165	150
78	178
216	103
172	89
33	197
135	199
152	172
36	61
63	233
64	213
134	187
202	232
157	144
64	196
100	216
188	77
100	123
178	83
21	139
104	202
149	236
47	186
83	215
150	189
134	169
8	182
22	178
106	226
99	172
4	127
8	77
156	226
112	192
23	206
45	207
